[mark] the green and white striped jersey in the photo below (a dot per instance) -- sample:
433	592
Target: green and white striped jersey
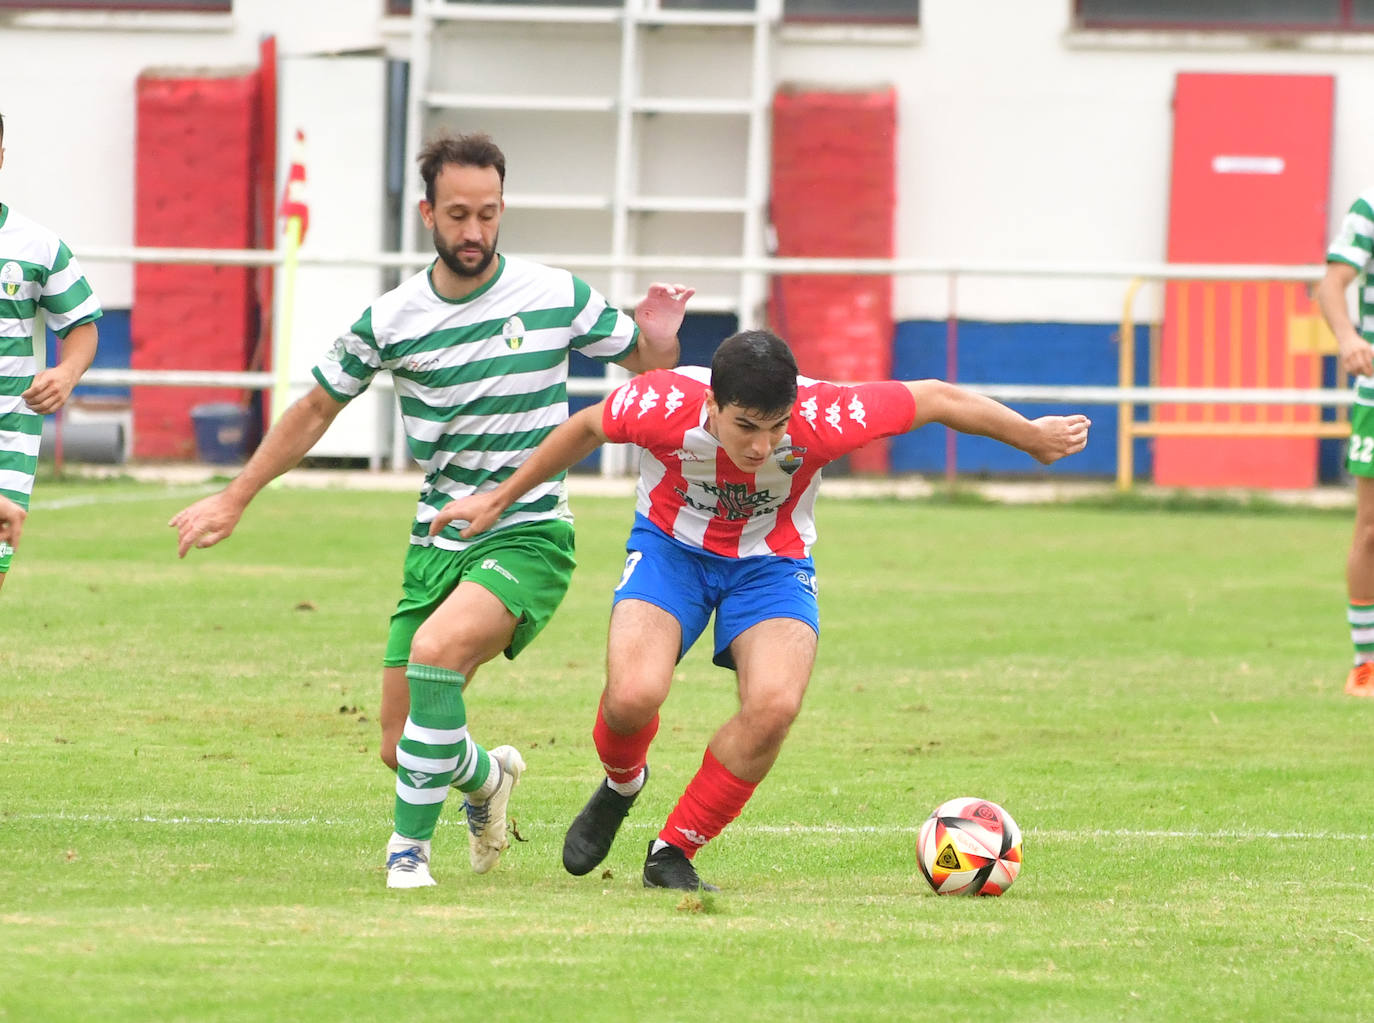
36	269
1354	244
480	381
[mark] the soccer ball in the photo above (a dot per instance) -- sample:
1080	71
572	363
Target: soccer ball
969	846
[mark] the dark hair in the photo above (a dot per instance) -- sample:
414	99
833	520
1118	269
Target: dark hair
477	150
2	127
755	370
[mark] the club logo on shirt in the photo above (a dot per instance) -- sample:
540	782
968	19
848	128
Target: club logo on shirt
832	416
513	331
624	400
857	412
11	276
789	457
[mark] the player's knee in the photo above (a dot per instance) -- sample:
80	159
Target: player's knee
1363	542
427	647
628	708
454	651
771	716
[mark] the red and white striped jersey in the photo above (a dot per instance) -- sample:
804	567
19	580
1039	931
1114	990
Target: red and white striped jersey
689	487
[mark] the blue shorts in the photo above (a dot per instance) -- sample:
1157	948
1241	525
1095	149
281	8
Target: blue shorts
689	583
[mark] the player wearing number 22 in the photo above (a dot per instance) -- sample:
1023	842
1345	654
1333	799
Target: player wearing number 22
1350	257
729	470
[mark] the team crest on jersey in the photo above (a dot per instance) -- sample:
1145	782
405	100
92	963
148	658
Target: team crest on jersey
513	332
789	457
11	276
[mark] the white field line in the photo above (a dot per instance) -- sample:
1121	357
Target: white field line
97	498
1054	834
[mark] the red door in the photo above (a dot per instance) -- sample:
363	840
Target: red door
1251	169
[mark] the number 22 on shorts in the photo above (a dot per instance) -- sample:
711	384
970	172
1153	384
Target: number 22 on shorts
1361	450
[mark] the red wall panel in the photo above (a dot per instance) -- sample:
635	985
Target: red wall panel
834	196
194	187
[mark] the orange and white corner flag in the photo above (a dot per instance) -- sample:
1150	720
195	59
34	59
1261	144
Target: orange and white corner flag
293	200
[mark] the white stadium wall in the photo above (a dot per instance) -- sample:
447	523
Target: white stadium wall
1020	139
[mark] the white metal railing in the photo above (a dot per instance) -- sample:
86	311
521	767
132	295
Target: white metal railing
770	265
730	264
951	270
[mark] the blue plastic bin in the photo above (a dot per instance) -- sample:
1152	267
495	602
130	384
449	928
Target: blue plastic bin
221	429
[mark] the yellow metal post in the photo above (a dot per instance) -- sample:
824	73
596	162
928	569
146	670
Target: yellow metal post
1125	375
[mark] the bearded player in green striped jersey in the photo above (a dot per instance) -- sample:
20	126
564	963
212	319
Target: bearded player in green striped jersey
477	344
36	271
1349	256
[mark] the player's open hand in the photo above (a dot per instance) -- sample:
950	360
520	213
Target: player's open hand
659	313
11	522
49	391
206	522
478	512
1060	436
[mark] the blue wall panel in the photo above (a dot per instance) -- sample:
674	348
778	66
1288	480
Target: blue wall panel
113	352
1011	353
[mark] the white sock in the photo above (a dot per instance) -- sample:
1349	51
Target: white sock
489	786
628	788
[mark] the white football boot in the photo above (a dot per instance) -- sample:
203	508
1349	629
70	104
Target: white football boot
407	863
487	818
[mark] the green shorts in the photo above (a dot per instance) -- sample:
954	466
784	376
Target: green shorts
1359	456
528	568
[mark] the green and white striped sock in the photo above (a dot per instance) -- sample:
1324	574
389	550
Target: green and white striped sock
435	750
1361	619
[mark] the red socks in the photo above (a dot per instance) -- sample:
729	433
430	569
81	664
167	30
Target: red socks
714	797
622	756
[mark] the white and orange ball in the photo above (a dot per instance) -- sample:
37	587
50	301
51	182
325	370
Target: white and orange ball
969	846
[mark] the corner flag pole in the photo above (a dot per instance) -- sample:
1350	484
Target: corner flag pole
296	213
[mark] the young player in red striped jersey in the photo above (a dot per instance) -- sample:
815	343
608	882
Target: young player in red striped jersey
729	471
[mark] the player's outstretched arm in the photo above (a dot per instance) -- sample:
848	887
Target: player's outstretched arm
213	518
659	317
565	447
11	521
1046	439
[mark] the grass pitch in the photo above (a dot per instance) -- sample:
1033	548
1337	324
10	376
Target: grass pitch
192	812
